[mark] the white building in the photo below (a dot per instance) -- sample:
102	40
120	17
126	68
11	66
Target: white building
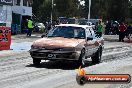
21	10
14	11
22	7
6	12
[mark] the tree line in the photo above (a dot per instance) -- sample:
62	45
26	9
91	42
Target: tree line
104	9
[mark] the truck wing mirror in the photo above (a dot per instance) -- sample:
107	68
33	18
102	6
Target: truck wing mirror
89	38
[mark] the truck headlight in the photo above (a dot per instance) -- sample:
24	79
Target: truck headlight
37	47
34	47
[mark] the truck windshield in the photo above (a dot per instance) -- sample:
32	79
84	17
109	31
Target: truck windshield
67	32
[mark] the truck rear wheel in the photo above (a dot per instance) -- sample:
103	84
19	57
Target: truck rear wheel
97	56
36	61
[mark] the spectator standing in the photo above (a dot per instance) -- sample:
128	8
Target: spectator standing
107	28
122	28
30	27
115	27
99	29
128	33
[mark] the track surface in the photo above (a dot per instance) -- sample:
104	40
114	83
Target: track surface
17	70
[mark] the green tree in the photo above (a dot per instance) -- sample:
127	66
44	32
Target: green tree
108	9
118	9
36	6
66	8
98	8
45	11
63	8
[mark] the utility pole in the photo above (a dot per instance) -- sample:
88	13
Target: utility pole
89	9
52	5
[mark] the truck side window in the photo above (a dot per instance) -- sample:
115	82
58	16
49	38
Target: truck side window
92	33
89	33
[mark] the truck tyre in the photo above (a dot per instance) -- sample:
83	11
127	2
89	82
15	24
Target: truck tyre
97	57
36	61
81	61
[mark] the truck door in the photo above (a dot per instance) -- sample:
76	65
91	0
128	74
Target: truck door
95	41
89	42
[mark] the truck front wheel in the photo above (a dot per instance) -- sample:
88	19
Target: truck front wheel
97	56
81	61
36	61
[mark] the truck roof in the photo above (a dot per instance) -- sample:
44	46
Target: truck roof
75	25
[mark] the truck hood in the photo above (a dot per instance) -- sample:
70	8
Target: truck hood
58	42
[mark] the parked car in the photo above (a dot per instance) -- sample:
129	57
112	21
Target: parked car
68	42
39	27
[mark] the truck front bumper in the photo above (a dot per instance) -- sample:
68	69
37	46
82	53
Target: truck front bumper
55	55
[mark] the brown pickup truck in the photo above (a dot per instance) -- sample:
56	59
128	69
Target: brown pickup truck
68	42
